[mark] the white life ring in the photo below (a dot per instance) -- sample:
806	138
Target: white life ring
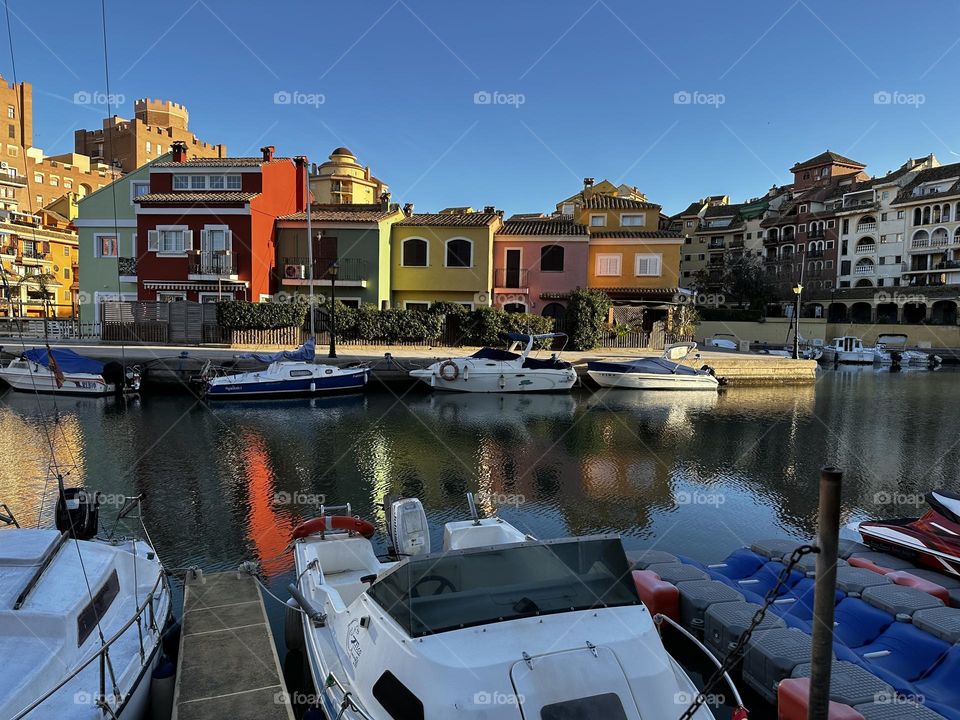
448	371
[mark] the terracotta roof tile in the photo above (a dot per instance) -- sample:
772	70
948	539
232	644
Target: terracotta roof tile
929	175
228	162
635	234
203	198
344	213
542	226
450	220
825	158
611	202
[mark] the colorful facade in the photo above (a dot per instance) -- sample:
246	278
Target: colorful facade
341	180
443	257
210	225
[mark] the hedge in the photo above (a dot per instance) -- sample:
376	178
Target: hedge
587	312
244	315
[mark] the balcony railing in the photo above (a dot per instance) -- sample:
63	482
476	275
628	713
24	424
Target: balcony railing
716	245
348	269
862	249
866	227
221	265
127	266
736	243
513	278
863	270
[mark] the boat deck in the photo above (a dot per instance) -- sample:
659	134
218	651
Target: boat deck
228	662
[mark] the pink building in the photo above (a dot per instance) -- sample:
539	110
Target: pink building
537	262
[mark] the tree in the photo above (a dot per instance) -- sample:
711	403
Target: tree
745	281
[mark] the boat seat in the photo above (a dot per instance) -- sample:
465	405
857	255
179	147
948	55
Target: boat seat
545	364
739	564
725	622
904	651
771	656
677	572
901	602
942	622
642	559
854	580
850	684
697	595
343	561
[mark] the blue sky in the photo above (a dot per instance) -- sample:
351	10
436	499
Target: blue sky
585	88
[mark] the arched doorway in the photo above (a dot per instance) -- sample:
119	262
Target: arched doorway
515	307
837	313
558	312
944	312
887	313
860	312
914	313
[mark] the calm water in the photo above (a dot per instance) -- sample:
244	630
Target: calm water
689	473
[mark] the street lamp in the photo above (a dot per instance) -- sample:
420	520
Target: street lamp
333	270
797	290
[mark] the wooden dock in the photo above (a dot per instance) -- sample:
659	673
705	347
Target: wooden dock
228	666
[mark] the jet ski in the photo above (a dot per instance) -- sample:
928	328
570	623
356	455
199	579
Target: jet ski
932	540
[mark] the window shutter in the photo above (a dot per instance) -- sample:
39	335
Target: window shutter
133	246
188	240
153	240
46	247
203	239
228	241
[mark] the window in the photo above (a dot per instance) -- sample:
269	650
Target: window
12	131
106	246
38	177
159	149
633	220
11	112
66	273
171	241
399	702
803	228
90	616
689	223
139	189
802	208
351	302
831	223
844	267
68	183
459	253
608	265
13	150
567	209
148	147
198	182
233	182
883	217
66	251
414	253
901	214
599	220
686	258
646	265
422	306
54	181
171	296
181	182
217	182
551	258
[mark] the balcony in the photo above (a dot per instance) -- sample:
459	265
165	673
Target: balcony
351	272
716	260
865	249
511	278
865	269
716	245
206	265
736	244
866	227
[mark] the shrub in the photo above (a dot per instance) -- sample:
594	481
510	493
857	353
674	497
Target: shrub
244	315
370	324
489	326
587	312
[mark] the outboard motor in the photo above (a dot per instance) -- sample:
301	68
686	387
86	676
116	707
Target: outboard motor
78	513
407	527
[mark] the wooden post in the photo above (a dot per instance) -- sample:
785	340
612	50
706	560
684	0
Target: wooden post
828	526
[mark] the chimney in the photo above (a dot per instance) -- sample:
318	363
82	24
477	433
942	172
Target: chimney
489	209
385	200
587	183
408	209
500	214
179	150
301	174
268	151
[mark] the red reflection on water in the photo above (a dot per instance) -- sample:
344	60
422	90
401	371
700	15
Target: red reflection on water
268	530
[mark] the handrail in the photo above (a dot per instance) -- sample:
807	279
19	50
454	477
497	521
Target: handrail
347	700
101	653
38	573
658	618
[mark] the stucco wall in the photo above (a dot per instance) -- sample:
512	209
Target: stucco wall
776	331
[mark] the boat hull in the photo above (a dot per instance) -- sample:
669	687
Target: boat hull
345	381
527	381
44	382
654	381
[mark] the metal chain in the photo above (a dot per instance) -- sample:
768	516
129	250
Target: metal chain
735	655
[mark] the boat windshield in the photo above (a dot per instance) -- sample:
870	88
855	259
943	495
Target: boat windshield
494	354
448	591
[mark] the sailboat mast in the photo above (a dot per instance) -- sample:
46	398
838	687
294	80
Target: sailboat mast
306	180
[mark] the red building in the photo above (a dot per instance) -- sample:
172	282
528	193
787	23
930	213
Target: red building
206	229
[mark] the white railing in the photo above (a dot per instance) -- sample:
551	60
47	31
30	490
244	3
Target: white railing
866	227
861	249
863	270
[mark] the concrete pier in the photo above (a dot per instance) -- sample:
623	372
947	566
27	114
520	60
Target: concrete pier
228	666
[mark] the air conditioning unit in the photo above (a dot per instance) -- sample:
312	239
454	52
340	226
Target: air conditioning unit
294	272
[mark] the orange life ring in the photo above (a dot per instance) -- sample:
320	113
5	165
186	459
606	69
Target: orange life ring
334	522
449	377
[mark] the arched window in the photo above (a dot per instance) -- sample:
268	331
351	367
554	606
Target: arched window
945	217
554	310
551	258
936	213
459	253
918	215
920	239
415	252
926	215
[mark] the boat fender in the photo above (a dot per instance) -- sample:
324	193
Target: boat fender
334	522
162	683
171	640
293	626
448	370
660	597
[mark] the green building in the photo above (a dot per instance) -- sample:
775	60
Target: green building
107	228
356	236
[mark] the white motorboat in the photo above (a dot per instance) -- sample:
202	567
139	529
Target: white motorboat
491	370
288	374
663	373
498	625
896	344
81	619
723	341
848	349
61	371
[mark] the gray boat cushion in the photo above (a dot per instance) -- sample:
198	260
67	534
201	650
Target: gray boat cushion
884	560
899	710
775	548
771	656
943	622
697	595
725	622
851	684
641	559
677	572
808	564
853	580
845	548
900	601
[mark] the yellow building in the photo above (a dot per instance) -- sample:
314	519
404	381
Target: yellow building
342	180
443	257
38	254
